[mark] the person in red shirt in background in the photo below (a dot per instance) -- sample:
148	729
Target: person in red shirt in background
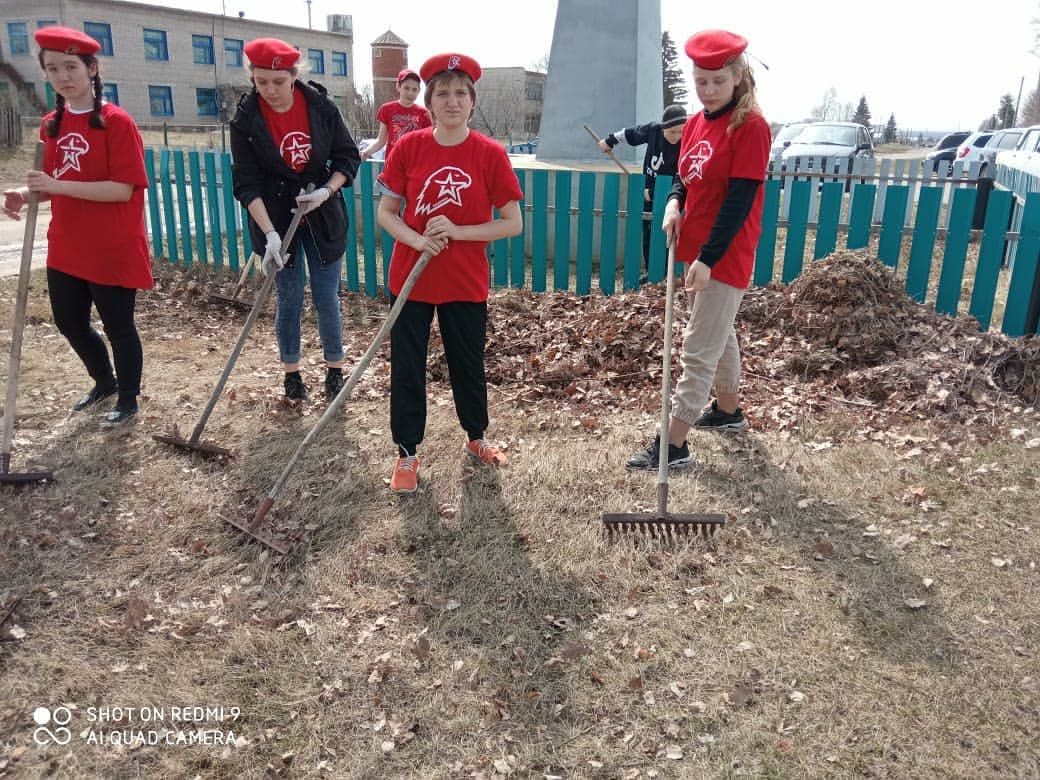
450	178
400	116
714	213
97	253
285	135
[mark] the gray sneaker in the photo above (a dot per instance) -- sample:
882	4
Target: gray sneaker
647	459
715	418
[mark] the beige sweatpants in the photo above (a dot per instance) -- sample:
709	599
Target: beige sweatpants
710	355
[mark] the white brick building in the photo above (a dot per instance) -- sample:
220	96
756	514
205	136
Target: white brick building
163	64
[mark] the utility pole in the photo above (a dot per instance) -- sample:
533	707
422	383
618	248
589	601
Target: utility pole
1021	83
308	14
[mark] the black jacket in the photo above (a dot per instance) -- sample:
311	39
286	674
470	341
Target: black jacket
259	171
661	157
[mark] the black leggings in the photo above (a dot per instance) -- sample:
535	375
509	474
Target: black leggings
464	332
71	298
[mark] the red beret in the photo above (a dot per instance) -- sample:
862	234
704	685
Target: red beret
271	53
442	62
714	49
406	73
66	40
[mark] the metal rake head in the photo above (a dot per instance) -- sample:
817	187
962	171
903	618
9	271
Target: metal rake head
662	526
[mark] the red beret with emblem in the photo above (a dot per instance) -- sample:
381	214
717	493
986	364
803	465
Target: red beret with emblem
271	54
450	62
714	49
66	40
406	74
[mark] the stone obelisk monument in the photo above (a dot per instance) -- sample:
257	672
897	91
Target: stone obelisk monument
604	71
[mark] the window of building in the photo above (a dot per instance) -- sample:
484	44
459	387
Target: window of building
110	94
339	63
46	23
155	45
202	49
206	100
233	52
160	99
18	37
102	33
316	57
534	90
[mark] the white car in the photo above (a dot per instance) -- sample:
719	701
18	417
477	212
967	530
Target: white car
1026	156
970	149
1000	141
783	139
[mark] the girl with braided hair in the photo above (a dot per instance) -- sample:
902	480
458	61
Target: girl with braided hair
97	253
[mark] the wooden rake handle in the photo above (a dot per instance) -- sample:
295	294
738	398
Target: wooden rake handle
610	152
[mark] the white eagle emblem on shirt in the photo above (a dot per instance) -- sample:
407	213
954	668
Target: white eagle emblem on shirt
297	146
692	165
73	146
443	186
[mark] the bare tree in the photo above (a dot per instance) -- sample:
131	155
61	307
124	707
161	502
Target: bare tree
361	113
1031	110
541	65
828	107
500	110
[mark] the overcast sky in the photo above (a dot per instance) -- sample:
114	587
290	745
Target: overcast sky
935	65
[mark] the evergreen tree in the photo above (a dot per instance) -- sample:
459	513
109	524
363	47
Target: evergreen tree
1006	112
862	115
891	132
672	81
1031	109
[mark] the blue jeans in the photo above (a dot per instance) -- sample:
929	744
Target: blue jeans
324	294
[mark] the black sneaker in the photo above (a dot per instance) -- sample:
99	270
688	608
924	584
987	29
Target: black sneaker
123	411
98	393
647	460
295	389
713	417
333	383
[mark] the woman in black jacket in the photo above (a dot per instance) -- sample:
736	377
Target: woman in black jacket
285	136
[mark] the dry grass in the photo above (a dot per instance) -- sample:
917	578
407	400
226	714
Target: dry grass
485	626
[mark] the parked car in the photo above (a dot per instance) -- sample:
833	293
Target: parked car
847	140
971	147
946	148
364	143
1000	141
1025	156
784	136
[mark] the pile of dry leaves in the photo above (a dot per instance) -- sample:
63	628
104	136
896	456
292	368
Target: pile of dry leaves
844	335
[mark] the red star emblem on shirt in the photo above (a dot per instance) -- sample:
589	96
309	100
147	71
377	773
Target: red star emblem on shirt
692	164
296	147
74	146
448	182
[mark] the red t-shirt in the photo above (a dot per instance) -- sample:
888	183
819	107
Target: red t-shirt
708	158
462	183
291	131
103	243
400	120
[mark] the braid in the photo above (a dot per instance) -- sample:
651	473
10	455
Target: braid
55	121
95	116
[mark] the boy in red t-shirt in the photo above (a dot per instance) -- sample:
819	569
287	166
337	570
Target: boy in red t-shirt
451	180
400	116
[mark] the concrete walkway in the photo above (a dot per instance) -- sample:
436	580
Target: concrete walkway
12	236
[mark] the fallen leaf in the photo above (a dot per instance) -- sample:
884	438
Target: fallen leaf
796	696
636	683
916	603
631	612
823	550
1000	563
387	746
674	752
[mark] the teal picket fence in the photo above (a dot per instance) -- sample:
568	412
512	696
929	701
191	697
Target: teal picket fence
960	245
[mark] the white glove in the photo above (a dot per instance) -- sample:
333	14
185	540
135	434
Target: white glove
273	261
308	201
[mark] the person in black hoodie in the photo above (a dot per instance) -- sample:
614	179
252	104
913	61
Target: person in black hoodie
662	153
286	135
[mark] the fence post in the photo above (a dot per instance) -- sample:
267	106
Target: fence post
984	186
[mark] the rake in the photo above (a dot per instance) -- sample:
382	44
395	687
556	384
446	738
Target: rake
662	523
194	444
17	328
233	299
254	527
610	152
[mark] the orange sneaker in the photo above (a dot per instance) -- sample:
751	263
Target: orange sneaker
405	478
485	452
